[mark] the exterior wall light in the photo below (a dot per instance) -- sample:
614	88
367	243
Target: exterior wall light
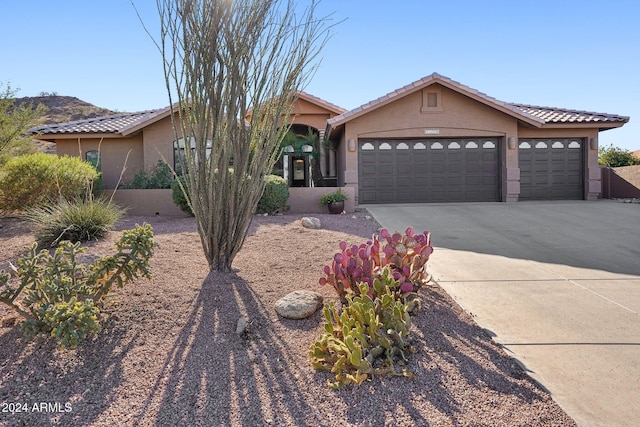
352	145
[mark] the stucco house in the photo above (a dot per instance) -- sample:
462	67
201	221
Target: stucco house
434	140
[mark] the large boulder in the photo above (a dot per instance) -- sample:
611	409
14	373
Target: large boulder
299	304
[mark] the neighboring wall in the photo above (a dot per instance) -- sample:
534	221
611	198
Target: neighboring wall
621	183
307	199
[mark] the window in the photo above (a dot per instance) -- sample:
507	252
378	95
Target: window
93	158
178	153
525	145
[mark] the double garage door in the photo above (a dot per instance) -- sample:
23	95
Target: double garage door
551	169
428	170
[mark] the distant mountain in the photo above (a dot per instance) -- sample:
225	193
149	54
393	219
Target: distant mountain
62	109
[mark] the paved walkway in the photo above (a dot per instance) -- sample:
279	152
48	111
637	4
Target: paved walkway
556	283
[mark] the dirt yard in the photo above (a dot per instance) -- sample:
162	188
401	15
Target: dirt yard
168	354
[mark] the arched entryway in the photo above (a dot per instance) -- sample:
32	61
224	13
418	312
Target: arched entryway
307	160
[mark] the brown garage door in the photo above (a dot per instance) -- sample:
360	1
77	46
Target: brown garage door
428	170
551	169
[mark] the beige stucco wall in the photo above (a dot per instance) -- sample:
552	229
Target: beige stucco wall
146	202
310	114
460	116
158	143
307	199
116	155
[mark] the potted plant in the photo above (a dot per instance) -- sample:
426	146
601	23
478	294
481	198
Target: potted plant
334	201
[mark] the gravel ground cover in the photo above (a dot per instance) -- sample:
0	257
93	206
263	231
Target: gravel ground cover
168	354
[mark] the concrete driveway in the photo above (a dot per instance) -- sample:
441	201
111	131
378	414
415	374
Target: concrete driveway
556	283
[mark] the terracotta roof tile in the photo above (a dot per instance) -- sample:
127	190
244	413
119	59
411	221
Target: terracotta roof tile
425	81
115	123
562	115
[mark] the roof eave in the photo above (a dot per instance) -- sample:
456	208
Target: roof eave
135	127
601	126
52	137
321	102
428	81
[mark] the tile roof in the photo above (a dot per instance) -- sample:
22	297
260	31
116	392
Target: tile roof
426	81
561	115
116	123
529	113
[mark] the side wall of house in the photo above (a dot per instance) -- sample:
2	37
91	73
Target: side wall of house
158	143
116	155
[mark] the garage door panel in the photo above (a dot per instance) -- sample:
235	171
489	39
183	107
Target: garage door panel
429	170
368	183
551	169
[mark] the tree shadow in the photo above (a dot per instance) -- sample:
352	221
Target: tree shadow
212	376
77	385
445	343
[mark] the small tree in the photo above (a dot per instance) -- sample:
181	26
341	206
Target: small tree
14	121
235	68
614	157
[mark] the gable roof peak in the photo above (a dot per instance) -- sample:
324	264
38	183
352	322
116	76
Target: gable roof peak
446	82
321	102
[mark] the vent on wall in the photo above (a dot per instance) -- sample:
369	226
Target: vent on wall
431	100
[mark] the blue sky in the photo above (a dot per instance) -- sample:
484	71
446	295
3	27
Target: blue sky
582	55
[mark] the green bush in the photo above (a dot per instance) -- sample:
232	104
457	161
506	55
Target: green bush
39	178
78	220
369	337
178	195
275	196
59	296
614	157
159	177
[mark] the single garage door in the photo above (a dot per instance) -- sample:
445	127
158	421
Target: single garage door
428	170
551	169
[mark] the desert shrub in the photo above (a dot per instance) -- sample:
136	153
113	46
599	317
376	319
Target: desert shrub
158	177
179	198
77	220
39	178
275	196
405	254
59	296
369	337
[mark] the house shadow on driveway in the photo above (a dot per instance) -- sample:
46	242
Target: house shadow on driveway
600	235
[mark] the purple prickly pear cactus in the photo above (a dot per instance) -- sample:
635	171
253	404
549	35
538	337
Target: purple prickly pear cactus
406	254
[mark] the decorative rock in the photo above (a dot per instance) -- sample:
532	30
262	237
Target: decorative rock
299	304
241	328
311	222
